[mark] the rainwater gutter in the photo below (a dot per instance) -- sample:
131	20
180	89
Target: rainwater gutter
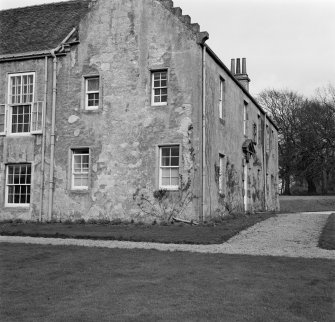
43	136
203	132
264	163
53	53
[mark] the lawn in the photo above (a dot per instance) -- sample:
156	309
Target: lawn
210	233
306	203
52	283
327	237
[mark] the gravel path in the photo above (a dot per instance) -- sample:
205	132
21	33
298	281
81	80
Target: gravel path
290	235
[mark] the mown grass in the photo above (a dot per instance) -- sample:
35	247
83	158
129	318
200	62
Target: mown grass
53	283
327	237
305	203
210	233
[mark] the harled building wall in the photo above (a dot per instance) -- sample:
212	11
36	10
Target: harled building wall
122	43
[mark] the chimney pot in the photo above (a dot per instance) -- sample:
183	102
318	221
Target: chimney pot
238	66
232	68
244	65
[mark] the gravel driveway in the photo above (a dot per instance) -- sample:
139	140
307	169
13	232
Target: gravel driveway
290	235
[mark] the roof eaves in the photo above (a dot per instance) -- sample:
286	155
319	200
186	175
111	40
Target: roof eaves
226	69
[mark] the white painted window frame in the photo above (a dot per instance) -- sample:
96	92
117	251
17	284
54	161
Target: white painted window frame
221	98
87	92
161	167
3	111
222	173
153	72
17	205
36	109
73	173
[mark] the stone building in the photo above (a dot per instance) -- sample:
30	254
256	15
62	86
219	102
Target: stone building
118	109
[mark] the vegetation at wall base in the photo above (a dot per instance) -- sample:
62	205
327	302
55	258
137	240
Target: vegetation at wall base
217	231
327	237
66	283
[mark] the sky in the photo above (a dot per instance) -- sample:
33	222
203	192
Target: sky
288	44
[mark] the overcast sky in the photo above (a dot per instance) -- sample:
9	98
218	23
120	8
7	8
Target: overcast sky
287	43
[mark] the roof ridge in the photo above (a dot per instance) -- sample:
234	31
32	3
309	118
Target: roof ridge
47	4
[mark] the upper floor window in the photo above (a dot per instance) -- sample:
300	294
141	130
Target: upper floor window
21	88
159	90
245	118
221	114
80	169
92	95
169	167
22	115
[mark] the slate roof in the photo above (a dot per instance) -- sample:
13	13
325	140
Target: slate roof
39	28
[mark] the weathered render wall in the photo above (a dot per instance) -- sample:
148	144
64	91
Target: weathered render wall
25	148
226	137
122	41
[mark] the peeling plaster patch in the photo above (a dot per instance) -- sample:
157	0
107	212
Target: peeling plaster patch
184	125
73	118
76	132
136	165
105	66
95	167
135	154
147	122
136	144
123	145
94	212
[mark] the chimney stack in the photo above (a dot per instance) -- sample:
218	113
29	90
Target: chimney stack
242	77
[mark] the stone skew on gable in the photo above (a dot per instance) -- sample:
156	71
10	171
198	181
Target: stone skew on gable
202	36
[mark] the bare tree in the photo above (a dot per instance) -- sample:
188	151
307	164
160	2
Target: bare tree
284	107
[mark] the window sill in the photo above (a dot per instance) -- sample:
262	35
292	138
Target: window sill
79	191
17	208
95	111
159	105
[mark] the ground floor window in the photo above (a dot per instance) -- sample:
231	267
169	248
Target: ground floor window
18	184
169	167
80	168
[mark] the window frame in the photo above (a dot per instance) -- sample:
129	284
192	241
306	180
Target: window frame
153	72
221	98
161	167
221	173
73	187
245	119
36	108
87	92
18	205
12	75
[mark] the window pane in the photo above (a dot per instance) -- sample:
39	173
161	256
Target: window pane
175	173
175	161
164	99
166	152
93	84
175	151
165	181
174	181
165	161
166	173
